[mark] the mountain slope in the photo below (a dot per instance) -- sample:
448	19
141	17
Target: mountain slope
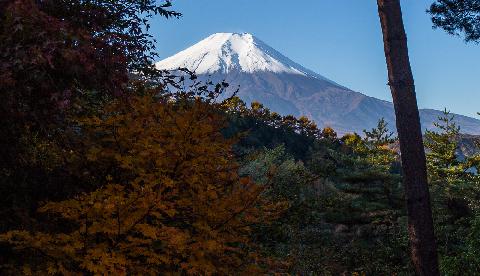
265	75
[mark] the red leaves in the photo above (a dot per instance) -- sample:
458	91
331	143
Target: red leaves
47	59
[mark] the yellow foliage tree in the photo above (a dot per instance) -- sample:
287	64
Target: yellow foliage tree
169	202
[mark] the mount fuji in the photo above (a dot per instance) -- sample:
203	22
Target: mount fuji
284	86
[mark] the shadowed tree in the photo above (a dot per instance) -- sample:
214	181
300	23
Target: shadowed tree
171	201
420	222
60	58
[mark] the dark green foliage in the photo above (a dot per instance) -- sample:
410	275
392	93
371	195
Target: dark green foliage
442	145
369	215
466	261
457	17
455	179
289	180
346	204
259	128
455	188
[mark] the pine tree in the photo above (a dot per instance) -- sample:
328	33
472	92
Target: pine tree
359	206
400	80
457	17
455	187
372	202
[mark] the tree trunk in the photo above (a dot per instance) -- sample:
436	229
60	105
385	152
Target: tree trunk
420	223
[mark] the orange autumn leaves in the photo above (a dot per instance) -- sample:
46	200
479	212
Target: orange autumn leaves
169	200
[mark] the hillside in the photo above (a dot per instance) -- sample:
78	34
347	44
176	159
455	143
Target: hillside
265	75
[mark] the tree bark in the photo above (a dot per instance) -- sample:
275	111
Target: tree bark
420	223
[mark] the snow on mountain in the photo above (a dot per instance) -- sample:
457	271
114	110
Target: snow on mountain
265	75
227	52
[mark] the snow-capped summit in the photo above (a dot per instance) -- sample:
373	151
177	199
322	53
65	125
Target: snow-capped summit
226	52
263	74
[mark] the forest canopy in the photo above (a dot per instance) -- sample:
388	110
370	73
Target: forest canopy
105	169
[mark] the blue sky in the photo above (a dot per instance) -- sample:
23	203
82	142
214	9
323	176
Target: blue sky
340	39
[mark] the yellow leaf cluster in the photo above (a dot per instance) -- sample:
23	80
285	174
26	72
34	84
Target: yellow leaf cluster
169	199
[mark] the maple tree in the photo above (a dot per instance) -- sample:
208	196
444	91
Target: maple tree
54	51
59	59
171	199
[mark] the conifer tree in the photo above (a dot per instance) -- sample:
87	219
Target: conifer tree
357	206
400	80
370	185
455	186
457	17
455	176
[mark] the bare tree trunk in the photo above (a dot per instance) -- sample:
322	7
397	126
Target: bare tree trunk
420	222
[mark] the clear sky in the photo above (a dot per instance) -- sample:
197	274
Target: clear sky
341	40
